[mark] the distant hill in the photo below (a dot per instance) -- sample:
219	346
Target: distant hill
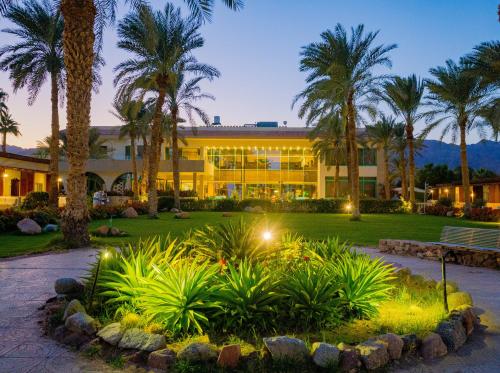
21	151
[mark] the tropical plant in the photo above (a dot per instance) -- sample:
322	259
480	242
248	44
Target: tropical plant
381	134
364	283
328	250
8	126
404	95
162	43
248	297
3	106
399	146
458	98
37	56
341	79
485	62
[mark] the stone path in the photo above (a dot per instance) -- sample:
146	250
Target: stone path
26	282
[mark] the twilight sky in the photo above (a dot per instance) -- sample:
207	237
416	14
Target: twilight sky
257	52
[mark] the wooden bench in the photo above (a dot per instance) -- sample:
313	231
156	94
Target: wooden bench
476	239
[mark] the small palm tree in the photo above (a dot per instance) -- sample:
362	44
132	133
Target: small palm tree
381	134
37	56
8	126
330	144
458	98
404	95
162	43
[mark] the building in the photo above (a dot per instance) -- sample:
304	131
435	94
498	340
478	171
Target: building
20	175
487	190
235	162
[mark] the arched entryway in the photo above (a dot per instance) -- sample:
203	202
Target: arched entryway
94	183
123	183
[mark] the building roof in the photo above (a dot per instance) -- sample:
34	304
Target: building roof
23	158
490	180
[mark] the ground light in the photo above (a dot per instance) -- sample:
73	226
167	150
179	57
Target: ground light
267	235
103	256
348	207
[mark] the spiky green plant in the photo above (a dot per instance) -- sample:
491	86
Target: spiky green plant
327	250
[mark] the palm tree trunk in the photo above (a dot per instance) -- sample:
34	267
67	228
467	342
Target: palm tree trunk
336	179
402	170
465	169
4	142
175	161
387	184
348	156
78	44
411	162
145	158
153	154
135	185
54	143
356	215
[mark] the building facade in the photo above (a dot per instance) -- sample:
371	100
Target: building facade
487	190
235	162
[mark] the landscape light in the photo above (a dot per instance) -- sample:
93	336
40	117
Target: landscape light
5	174
348	207
267	235
59	179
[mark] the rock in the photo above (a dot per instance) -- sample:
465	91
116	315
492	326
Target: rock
175	210
50	228
136	338
92	346
452	333
258	210
410	343
248	209
60	333
229	356
325	355
373	354
198	352
349	358
73	307
111	333
469	320
394	344
81	323
449	214
136	357
29	226
182	215
115	232
433	347
103	230
287	348
227	214
68	285
130	213
162	359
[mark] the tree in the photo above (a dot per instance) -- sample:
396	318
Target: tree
434	175
38	56
3	106
381	134
8	126
483	173
341	76
162	43
485	62
399	146
330	145
458	98
404	96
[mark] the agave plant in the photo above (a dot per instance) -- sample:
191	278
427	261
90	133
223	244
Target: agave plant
248	297
364	283
328	250
180	295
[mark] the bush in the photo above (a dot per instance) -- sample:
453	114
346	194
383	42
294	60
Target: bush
459	298
165	203
445	202
44	216
35	200
379	206
105	212
478	203
485	214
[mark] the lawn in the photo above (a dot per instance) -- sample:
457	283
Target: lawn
372	228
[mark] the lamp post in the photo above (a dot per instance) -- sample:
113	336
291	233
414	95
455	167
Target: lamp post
103	256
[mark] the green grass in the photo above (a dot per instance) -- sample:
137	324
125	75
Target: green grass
368	231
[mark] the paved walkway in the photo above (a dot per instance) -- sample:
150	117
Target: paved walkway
25	284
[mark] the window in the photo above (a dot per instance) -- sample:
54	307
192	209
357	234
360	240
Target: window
140	151
367	187
127	152
367	157
38	187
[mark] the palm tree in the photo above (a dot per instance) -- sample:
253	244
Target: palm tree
485	62
162	43
3	106
341	76
404	96
38	56
330	144
399	146
8	126
382	135
458	98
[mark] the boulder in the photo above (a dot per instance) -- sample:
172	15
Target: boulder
373	354
111	333
284	347
68	285
258	210
50	228
182	215
175	210
81	323
115	232
130	213
29	226
227	214
198	352
452	333
103	230
162	359
73	307
138	339
394	344
229	356
469	320
248	209
449	214
349	358
74	339
433	347
410	343
325	355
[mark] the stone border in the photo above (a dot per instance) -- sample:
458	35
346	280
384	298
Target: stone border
137	347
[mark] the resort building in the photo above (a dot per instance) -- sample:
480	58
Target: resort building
261	160
487	190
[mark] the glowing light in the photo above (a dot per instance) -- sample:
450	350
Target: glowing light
106	255
5	174
59	179
267	235
348	207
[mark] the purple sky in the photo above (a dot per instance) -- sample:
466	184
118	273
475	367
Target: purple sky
257	52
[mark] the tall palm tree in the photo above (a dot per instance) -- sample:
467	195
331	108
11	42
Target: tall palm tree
399	146
404	95
341	75
3	105
458	98
8	126
381	134
485	62
330	144
162	43
38	56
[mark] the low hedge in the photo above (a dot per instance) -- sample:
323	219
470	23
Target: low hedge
43	216
34	200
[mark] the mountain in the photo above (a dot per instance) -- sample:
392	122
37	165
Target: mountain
21	151
484	154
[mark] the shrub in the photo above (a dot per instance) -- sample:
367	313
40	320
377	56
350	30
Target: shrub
105	212
328	250
226	205
379	206
44	216
485	214
35	200
165	203
459	298
140	207
478	203
445	202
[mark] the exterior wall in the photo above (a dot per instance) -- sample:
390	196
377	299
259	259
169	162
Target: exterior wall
490	193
